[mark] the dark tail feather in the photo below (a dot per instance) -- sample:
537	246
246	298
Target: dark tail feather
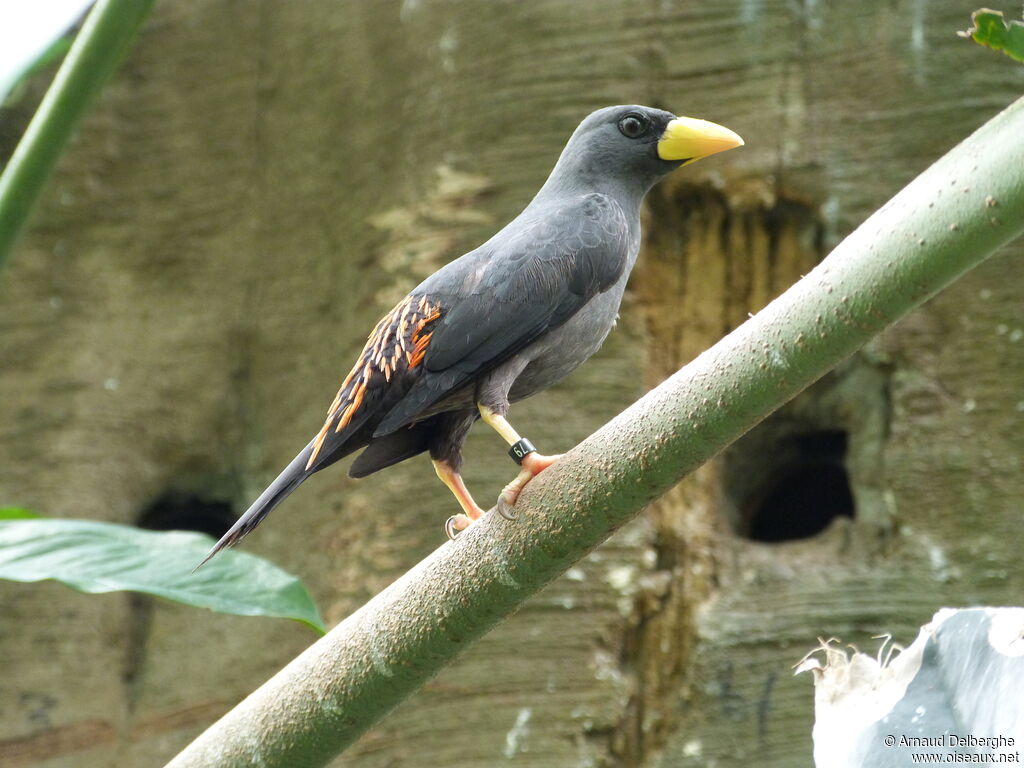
290	479
391	449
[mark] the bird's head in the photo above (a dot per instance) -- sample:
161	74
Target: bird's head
638	145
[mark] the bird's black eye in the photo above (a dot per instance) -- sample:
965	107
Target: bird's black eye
632	125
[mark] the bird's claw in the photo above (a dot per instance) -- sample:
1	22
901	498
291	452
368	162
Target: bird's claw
533	465
504	508
455	525
510	495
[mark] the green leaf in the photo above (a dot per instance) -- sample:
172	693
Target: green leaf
992	30
100	557
16	513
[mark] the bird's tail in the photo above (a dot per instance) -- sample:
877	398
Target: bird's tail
290	479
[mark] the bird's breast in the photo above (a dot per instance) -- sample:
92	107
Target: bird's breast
561	351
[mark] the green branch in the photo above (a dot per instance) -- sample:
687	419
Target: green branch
918	243
103	40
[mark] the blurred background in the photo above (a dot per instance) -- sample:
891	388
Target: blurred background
260	181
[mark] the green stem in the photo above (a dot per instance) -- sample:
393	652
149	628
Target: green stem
949	219
99	46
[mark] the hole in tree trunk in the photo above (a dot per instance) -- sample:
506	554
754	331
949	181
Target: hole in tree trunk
787	481
178	511
805	493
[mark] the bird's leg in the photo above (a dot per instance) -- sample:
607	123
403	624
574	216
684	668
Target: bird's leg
523	453
471	511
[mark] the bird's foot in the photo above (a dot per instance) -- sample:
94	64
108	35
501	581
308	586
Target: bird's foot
532	465
535	463
456	524
471	512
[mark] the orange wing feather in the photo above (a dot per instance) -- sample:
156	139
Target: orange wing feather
397	344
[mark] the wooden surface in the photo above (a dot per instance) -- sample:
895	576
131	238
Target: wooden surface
261	180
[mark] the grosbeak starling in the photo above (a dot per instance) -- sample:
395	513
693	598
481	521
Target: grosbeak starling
505	320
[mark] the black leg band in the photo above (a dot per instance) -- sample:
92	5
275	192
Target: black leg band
520	450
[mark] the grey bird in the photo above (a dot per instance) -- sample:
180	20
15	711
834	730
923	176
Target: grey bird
506	320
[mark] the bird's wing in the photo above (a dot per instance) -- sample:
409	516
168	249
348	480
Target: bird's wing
388	366
534	279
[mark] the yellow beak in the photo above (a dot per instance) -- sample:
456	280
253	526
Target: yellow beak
690	139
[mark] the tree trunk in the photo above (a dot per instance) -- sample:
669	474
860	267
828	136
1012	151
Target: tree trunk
261	181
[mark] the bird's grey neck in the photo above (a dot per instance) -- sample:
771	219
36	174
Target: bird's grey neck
571	182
